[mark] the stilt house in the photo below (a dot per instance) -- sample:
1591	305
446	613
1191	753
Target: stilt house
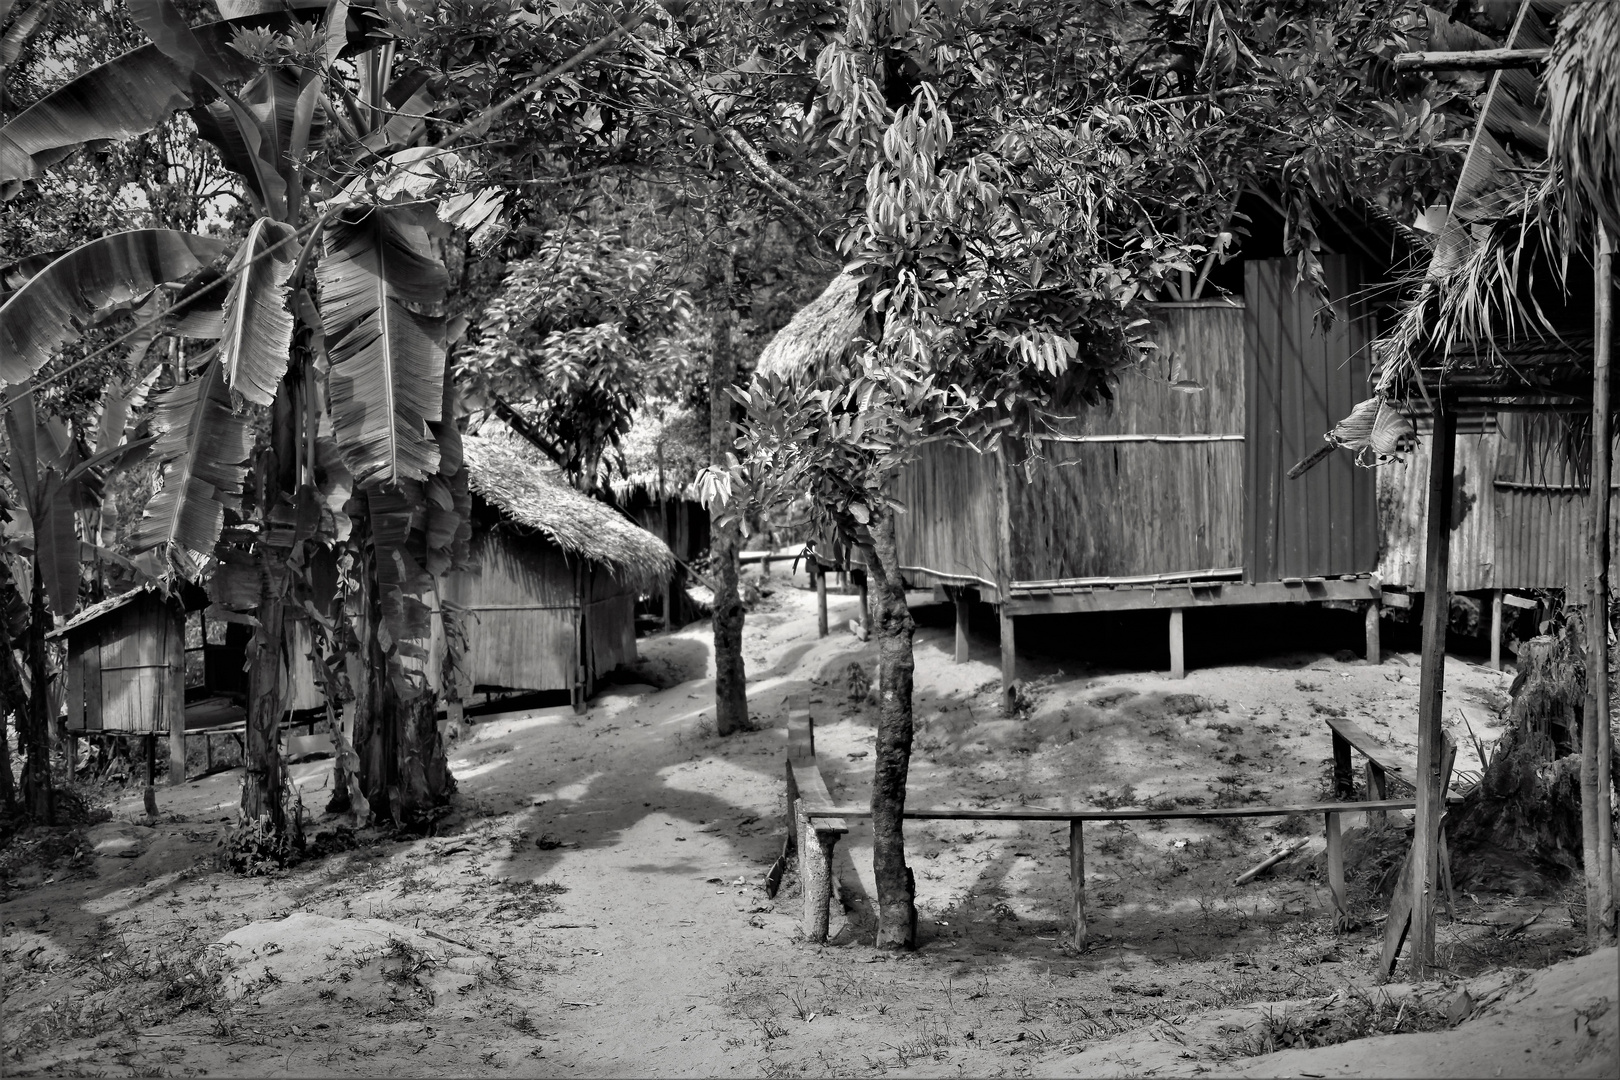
551	602
1175	498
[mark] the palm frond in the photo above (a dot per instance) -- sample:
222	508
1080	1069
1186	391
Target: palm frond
47	311
1583	95
387	360
204	447
258	327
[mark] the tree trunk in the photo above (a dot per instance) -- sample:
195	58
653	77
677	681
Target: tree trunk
265	774
895	628
13	702
36	731
730	676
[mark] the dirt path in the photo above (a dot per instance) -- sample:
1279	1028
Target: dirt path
594	906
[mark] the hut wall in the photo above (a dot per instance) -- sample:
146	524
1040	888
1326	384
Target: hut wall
1102	506
1519	515
118	673
949	527
300	689
522	612
610	622
1301	379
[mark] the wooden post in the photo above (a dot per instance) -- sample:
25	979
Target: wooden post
821	597
1009	661
1598	826
1496	629
1335	872
149	797
1077	881
1178	644
1375	646
866	606
959	594
1344	772
1402	913
1377	791
1431	685
818	852
174	698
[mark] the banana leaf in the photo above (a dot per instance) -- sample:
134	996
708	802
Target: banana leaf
258	328
46	313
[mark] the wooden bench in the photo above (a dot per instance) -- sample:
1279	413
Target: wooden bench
813	816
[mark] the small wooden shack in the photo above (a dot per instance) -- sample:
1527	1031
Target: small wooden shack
551	602
1173	499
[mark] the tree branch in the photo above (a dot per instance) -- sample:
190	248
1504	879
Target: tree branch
531	434
1475	60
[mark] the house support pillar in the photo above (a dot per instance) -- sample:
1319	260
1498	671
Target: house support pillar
819	573
1496	629
1178	643
1597	825
1431	687
1009	661
1375	647
959	594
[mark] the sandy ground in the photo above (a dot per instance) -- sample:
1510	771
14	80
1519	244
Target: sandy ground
595	904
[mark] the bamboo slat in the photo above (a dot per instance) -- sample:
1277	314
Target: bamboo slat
949	526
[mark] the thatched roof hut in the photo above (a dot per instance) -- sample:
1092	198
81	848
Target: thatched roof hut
819	335
513	477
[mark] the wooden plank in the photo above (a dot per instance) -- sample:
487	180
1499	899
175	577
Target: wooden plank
75	681
1377	790
1344	776
1353	734
1259	427
1215	594
1292	507
1335	871
801	735
1032	813
1077	881
1178	643
1600	902
1403	902
93	704
1496	629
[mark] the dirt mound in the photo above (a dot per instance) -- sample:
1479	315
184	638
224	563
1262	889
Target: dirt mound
369	961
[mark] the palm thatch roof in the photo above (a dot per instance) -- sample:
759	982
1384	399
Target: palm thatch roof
515	478
1495	310
665	449
819	335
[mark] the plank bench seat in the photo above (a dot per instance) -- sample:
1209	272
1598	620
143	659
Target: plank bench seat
1036	813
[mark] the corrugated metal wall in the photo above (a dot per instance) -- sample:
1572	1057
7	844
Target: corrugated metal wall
1301	381
1518	515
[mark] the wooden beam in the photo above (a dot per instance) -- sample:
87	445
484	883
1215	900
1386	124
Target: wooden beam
1005	612
1211	594
1476	60
960	595
1375	647
1178	643
1597	821
1009	660
1036	813
1431	685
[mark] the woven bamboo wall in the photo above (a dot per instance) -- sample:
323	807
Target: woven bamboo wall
610	623
117	673
1119	509
949	527
522	603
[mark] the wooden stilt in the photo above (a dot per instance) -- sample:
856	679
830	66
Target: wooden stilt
174	700
1178	644
1401	907
1596	793
1335	872
1077	881
960	595
1009	662
149	797
1496	629
821	600
1344	771
1431	685
1375	647
1377	791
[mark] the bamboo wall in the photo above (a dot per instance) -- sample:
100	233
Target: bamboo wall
610	623
1518	515
949	528
521	630
118	675
1122	509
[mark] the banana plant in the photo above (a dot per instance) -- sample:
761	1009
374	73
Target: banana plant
328	323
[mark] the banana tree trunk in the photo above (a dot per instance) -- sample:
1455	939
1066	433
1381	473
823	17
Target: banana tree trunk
730	674
13	702
266	772
895	629
36	730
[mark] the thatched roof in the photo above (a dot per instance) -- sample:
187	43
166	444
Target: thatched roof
100	610
819	335
663	453
516	479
